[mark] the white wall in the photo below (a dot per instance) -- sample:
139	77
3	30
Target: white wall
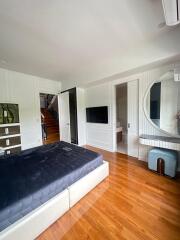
24	90
102	135
81	114
169	103
99	135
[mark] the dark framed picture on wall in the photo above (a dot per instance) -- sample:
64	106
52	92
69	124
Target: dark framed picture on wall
9	113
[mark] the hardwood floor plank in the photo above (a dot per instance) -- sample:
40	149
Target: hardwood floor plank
133	203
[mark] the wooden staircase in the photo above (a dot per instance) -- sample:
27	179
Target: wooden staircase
52	127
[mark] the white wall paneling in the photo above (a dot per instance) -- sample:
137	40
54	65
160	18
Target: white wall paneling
170	99
145	126
104	135
100	135
81	116
24	90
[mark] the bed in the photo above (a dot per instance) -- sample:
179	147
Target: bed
41	184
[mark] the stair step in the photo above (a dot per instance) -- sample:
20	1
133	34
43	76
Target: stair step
51	122
53	129
51	126
52	132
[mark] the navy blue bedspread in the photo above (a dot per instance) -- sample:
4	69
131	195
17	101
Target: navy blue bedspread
32	177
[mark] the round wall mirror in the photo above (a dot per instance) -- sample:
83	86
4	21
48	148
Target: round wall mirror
162	104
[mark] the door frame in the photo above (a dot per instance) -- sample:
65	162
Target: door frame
114	117
115	109
58	98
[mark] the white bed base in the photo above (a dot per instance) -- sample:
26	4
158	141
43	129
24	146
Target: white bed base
80	188
34	223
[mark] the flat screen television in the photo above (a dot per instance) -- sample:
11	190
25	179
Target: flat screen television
97	114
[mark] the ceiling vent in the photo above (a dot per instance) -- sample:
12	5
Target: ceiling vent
171	11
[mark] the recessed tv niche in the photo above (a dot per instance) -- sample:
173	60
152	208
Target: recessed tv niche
97	114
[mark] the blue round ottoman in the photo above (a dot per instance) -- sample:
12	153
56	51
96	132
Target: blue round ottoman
167	157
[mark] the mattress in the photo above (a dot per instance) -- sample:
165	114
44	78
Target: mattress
32	177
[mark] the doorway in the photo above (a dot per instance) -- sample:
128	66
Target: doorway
49	118
127	112
121	118
68	108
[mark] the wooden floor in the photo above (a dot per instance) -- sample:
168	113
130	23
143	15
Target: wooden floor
132	203
52	138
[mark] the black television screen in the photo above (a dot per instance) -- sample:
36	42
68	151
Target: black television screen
97	114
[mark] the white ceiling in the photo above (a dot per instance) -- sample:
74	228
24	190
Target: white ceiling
81	40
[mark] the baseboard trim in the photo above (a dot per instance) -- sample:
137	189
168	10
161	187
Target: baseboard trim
100	146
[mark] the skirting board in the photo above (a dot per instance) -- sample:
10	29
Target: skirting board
34	223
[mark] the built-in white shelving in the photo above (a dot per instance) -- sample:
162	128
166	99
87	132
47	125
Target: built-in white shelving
10	125
10	147
10	136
